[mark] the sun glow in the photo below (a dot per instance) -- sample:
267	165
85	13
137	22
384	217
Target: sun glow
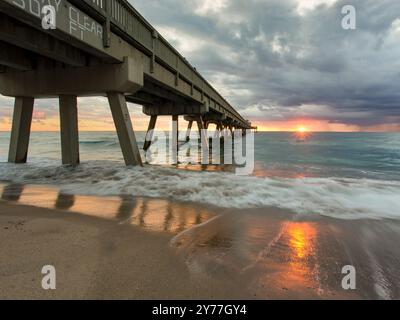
302	133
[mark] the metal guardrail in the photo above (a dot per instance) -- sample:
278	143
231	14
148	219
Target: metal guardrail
120	15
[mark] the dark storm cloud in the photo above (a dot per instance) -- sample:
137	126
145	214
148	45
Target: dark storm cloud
270	60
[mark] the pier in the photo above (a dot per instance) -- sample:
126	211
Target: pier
100	48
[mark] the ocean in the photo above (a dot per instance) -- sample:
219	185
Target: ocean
340	175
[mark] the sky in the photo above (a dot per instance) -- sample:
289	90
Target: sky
283	64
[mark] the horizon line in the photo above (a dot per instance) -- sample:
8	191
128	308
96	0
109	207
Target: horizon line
259	131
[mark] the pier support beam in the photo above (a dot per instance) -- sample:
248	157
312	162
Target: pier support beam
204	140
21	129
200	125
123	124
189	130
69	130
217	131
150	133
175	139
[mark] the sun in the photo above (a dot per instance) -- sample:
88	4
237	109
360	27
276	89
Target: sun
302	129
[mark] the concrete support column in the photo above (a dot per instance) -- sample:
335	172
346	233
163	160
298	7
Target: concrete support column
21	129
204	140
69	130
150	133
200	126
175	139
123	124
222	141
189	130
217	131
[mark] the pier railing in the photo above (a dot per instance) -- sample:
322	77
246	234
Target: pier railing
121	17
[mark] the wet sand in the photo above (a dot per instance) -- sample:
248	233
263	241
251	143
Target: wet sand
137	248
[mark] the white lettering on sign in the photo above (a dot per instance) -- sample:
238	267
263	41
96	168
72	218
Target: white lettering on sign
79	24
19	3
57	4
35	6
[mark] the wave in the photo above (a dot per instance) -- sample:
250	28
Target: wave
334	197
95	142
104	143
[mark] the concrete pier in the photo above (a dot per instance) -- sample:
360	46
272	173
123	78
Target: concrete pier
189	130
69	130
21	129
114	61
204	139
123	124
150	133
175	140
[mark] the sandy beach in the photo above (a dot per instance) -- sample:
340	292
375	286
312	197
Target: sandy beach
126	248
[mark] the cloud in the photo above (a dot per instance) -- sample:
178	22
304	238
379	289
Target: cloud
279	60
275	58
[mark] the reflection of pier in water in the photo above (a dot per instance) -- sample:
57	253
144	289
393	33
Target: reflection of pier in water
151	214
219	157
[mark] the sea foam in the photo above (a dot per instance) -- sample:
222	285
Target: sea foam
334	197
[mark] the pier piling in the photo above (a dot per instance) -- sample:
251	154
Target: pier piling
69	130
203	139
150	133
175	139
21	129
123	124
189	130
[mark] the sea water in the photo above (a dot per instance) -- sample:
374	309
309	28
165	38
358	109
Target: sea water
341	175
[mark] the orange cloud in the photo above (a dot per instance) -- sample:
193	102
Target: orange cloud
309	124
140	123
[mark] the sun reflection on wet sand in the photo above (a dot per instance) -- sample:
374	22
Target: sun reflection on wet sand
261	253
289	262
271	255
151	214
102	208
302	268
163	215
302	236
286	259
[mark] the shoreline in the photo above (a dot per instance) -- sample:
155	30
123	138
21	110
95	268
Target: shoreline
139	248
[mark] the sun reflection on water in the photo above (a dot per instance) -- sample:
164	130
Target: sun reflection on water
150	214
302	135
